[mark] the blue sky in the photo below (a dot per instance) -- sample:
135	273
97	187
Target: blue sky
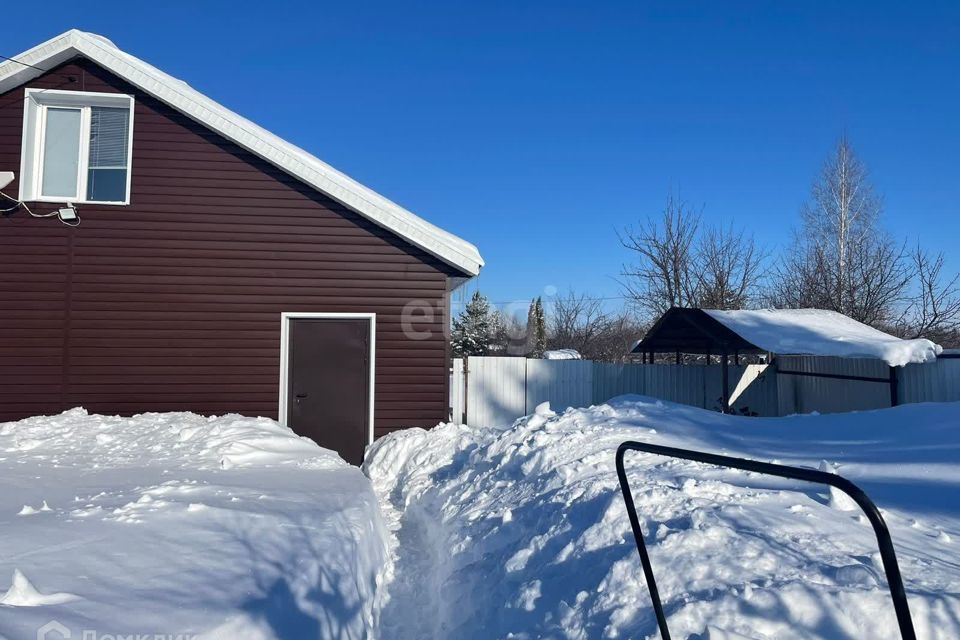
537	129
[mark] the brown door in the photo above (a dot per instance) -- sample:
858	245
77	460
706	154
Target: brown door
328	388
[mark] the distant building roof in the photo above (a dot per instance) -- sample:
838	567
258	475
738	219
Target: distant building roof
781	331
562	354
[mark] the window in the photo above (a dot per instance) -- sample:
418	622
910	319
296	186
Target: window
76	147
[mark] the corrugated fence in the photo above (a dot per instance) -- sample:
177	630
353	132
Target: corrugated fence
939	382
495	391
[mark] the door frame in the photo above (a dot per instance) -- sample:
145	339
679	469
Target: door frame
286	317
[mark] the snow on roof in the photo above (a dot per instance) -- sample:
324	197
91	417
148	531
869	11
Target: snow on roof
300	164
562	354
822	333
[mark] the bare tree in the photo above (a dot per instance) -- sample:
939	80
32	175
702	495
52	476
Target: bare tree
662	277
618	337
841	259
934	311
575	322
683	264
797	282
580	322
842	214
729	269
880	276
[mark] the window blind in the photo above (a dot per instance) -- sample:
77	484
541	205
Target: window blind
108	137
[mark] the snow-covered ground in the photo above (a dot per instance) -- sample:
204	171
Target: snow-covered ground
522	533
234	528
167	524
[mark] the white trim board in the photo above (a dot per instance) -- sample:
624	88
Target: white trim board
285	319
295	161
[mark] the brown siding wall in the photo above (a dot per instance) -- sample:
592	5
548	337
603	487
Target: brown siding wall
174	302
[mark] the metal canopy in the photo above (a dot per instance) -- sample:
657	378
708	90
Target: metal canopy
692	331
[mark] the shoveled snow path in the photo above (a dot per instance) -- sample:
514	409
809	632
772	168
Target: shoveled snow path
522	533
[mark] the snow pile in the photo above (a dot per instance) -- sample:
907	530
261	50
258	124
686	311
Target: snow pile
178	439
522	533
165	524
23	594
822	333
562	354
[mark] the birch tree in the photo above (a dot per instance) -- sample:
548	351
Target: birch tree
842	259
842	215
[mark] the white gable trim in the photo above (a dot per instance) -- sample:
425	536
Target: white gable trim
291	159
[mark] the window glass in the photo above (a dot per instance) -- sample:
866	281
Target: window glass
61	153
107	165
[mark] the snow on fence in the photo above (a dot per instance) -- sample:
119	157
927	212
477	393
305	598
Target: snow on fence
494	391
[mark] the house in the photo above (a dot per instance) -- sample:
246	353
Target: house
203	264
802	348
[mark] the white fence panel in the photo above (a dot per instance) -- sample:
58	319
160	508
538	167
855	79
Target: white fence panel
496	390
684	384
457	391
615	379
932	382
562	383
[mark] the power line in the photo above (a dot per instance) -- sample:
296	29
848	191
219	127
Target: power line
601	298
24	64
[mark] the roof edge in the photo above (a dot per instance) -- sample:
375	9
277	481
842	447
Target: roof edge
291	159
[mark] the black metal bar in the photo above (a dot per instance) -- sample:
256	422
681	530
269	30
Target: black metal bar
887	554
835	376
641	547
894	387
725	381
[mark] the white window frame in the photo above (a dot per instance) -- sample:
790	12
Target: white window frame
35	105
285	318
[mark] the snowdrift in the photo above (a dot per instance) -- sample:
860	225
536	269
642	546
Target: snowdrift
168	524
522	533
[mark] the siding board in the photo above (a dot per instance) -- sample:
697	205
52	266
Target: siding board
173	303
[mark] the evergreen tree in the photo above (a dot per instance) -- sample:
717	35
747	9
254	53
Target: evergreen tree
472	329
536	329
541	332
499	343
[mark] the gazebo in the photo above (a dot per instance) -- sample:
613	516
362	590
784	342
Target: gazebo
810	332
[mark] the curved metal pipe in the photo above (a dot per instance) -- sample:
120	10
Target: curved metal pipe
887	553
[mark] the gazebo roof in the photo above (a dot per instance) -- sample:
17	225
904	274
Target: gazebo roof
780	331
